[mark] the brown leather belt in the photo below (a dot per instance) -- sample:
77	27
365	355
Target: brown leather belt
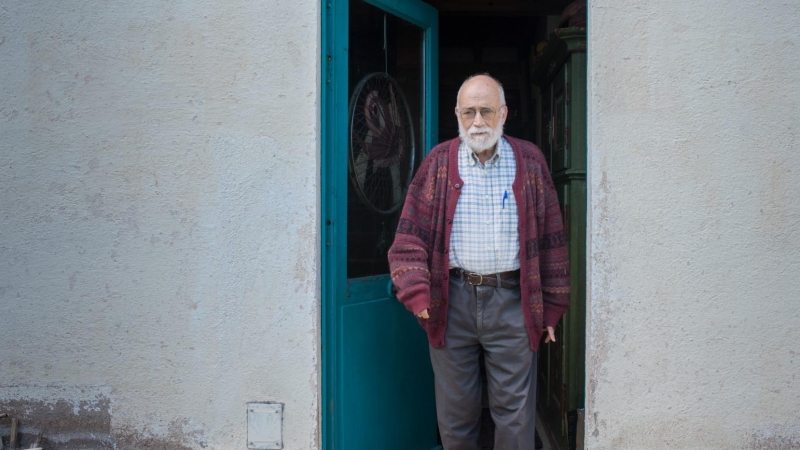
500	279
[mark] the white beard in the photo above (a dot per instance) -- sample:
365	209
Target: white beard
483	142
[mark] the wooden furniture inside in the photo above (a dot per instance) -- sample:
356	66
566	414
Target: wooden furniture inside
560	74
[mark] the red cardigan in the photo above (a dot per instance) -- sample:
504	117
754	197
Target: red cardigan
419	256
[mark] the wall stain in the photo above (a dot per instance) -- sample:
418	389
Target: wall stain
86	424
127	438
67	424
776	437
601	313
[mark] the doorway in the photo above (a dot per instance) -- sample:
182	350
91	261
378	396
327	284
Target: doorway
377	381
537	50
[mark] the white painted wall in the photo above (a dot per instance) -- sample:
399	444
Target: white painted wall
159	222
695	225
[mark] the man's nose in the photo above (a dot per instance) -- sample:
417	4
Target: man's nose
478	119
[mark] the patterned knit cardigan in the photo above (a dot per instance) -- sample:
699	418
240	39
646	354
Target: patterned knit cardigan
419	256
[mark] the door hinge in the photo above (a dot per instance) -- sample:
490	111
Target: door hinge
328	69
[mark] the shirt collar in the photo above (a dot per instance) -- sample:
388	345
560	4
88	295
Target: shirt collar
473	158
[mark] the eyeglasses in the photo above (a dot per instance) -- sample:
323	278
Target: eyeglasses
469	114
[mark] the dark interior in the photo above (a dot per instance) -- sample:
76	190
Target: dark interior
500	38
495	45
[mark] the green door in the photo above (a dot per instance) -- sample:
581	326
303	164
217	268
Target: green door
378	119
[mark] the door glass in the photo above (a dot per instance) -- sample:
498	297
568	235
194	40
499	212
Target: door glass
385	120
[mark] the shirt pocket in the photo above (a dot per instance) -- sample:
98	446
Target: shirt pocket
510	221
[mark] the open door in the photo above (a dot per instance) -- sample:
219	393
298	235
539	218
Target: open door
378	118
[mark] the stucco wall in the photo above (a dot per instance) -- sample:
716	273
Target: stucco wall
159	221
694	320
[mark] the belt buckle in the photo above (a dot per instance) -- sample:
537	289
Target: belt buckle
475	276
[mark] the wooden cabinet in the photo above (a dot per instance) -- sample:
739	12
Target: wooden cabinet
561	77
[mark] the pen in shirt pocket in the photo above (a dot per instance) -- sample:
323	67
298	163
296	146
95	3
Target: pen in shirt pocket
505	196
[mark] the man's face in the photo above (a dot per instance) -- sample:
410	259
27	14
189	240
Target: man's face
480	113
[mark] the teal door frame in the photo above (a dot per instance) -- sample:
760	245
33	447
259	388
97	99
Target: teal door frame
334	178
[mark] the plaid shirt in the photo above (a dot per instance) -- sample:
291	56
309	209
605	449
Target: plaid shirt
485	237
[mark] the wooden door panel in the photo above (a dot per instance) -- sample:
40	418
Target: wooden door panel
387	399
560	122
377	379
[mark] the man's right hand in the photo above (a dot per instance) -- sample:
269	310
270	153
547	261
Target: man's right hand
423	314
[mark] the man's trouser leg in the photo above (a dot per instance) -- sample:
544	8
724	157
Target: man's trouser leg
457	373
491	318
510	372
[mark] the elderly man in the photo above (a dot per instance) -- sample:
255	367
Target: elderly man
480	258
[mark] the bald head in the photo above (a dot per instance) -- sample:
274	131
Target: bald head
483	83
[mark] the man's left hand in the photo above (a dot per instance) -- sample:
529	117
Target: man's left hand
551	335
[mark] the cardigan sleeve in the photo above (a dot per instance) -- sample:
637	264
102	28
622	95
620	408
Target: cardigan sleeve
553	256
409	254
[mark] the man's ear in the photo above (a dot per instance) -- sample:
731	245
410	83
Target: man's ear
504	113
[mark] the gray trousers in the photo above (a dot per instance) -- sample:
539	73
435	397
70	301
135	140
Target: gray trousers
489	318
